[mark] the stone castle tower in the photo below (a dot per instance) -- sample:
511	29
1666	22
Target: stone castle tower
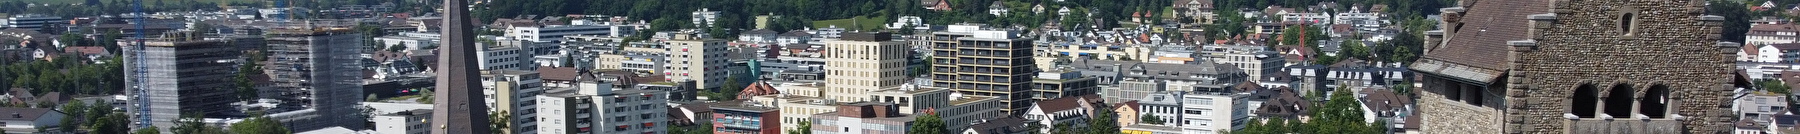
1577	66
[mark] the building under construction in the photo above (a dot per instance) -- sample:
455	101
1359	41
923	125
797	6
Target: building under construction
318	74
183	75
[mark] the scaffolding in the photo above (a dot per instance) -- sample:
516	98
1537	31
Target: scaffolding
317	68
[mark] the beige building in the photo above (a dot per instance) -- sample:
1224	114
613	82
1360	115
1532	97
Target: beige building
691	57
966	110
863	62
1045	58
513	91
979	62
635	56
913	99
796	108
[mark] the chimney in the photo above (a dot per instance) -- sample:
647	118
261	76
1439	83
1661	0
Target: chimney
16	115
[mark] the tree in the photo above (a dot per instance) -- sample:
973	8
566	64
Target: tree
192	124
500	121
1104	122
1737	18
1061	128
1353	49
149	130
74	110
805	128
1151	119
370	98
111	124
928	123
1773	85
260	125
397	47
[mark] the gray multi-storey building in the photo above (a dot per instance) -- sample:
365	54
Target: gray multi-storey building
309	69
985	63
182	76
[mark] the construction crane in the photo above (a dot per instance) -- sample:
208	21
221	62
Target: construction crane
138	70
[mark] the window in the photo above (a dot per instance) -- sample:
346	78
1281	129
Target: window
1584	101
1625	24
1619	101
1656	102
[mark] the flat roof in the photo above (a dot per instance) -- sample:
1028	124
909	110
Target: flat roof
966	99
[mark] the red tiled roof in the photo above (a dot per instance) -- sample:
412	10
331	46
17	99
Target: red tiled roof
1480	42
757	89
1060	104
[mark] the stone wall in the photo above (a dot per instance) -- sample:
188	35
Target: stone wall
1444	116
1586	42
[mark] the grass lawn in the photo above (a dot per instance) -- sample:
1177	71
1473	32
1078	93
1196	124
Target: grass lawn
860	23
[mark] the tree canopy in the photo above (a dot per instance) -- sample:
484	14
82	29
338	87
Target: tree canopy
928	123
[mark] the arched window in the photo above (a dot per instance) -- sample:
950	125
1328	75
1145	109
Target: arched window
1584	101
1618	101
1655	102
1625	23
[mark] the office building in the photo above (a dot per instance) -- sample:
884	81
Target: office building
1253	60
182	75
513	92
310	67
863	62
555	33
1208	112
30	21
966	110
912	99
692	57
979	62
595	108
1062	83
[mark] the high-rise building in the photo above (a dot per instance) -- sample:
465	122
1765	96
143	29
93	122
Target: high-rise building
183	77
863	62
692	57
985	63
513	92
309	65
595	108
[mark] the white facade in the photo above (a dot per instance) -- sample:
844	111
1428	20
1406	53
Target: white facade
904	21
557	32
1358	19
504	57
966	110
1206	113
1306	17
705	17
598	109
1762	53
29	21
412	40
405	122
1071	116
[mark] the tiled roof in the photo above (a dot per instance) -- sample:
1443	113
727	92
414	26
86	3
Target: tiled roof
1481	40
23	114
1060	104
757	89
1786	46
1003	125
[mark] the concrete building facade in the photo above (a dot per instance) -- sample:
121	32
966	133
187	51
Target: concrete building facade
860	63
985	63
310	67
692	57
